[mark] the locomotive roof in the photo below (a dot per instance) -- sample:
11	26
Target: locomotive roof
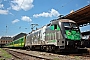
35	30
66	20
63	20
51	22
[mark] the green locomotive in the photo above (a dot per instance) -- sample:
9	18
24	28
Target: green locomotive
61	34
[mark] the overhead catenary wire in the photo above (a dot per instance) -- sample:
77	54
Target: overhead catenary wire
63	5
23	2
14	16
67	3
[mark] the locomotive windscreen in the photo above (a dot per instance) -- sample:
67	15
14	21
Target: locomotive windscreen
72	31
69	25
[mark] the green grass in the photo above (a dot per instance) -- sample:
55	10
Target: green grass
4	54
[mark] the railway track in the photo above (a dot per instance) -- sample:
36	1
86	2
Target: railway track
36	55
24	56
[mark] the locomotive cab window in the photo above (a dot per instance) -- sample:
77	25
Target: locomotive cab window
70	26
74	25
55	27
66	24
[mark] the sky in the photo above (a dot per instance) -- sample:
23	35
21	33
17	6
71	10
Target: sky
16	16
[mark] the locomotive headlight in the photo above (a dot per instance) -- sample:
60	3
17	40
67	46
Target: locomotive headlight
69	33
67	42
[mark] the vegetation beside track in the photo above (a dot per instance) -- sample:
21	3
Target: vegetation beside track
4	55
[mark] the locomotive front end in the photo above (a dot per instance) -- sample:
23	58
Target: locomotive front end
71	34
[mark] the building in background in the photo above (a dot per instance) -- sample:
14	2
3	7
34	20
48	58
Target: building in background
5	40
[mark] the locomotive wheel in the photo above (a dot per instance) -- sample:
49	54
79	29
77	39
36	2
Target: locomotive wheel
47	48
56	50
50	48
33	48
42	48
28	48
53	48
